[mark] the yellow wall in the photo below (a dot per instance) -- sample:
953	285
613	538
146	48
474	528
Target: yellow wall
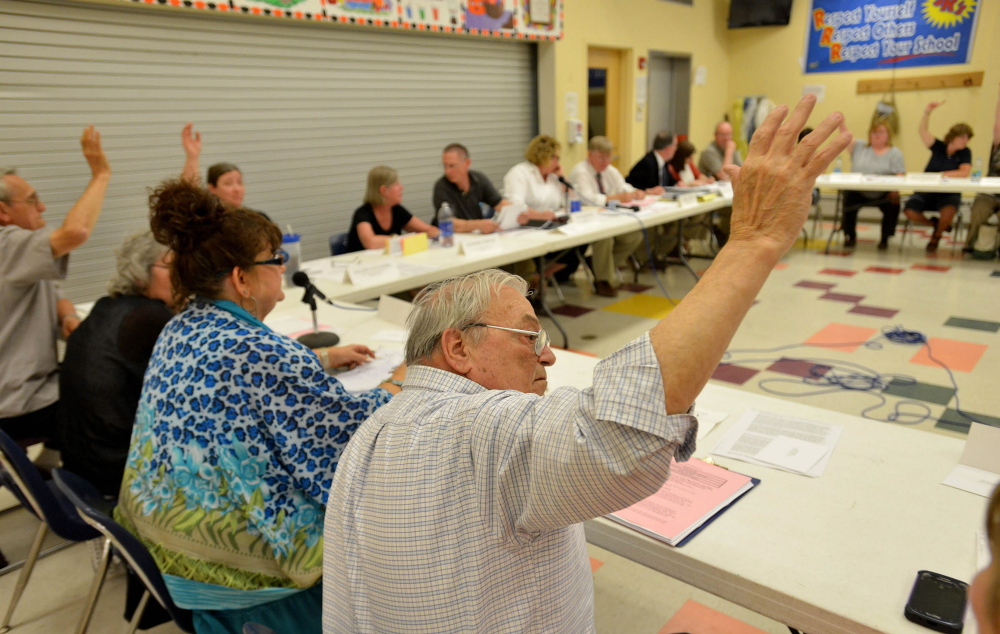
635	27
764	60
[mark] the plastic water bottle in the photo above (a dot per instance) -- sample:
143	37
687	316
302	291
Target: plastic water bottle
446	223
574	202
977	171
838	165
291	243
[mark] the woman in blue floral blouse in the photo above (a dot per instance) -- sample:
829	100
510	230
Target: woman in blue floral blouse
238	429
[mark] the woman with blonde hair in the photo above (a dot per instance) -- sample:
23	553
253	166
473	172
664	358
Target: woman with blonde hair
533	186
876	156
383	214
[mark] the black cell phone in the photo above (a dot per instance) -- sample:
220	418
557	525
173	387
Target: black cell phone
937	602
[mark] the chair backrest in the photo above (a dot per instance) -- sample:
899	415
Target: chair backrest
88	500
47	504
338	243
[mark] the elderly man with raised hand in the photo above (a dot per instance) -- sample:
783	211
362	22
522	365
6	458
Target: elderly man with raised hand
465	190
457	506
33	312
598	181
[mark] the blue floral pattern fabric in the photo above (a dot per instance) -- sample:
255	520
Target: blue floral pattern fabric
234	448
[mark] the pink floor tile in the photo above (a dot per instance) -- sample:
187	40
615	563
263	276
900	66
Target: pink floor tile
874	311
930	267
781	265
842	337
842	297
884	269
819	285
956	355
840	272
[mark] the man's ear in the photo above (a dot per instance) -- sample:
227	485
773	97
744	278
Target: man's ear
455	352
5	216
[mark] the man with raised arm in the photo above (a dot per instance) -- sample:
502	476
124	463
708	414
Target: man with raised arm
458	506
33	311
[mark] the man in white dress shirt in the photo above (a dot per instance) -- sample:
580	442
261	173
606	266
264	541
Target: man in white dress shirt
597	182
458	506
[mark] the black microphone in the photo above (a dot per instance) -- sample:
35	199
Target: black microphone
316	338
565	182
300	278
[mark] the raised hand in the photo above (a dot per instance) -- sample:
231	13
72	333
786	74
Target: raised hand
90	141
191	141
773	189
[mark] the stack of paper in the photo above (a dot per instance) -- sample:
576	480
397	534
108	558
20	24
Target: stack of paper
795	445
693	496
367	376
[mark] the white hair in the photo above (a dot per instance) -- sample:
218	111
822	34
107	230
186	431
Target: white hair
4	190
454	303
134	259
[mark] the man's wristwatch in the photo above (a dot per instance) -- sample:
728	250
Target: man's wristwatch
398	384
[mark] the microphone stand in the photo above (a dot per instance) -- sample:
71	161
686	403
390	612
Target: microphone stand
316	338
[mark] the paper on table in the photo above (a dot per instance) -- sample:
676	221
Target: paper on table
754	430
398	336
973	480
694	493
368	376
708	419
792	454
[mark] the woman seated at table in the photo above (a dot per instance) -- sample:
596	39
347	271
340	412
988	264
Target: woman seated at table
879	157
383	216
984	593
951	158
238	429
106	357
682	168
532	186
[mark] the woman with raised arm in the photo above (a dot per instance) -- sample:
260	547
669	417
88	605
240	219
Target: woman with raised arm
952	158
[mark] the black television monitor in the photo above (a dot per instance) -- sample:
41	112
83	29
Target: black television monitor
745	13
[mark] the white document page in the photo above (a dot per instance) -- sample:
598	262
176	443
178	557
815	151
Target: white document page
708	419
792	454
755	430
978	481
292	326
368	376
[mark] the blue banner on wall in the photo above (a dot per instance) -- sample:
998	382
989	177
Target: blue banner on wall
846	35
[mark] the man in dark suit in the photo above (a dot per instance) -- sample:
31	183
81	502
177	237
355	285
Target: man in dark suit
651	173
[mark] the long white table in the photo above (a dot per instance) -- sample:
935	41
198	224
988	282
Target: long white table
832	554
439	263
876	183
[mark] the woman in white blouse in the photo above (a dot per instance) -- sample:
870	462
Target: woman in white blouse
533	186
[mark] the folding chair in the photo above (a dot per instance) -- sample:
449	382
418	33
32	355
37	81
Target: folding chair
87	500
55	512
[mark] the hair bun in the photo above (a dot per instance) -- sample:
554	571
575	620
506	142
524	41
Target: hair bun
182	215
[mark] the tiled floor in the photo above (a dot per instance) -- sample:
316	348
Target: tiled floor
819	322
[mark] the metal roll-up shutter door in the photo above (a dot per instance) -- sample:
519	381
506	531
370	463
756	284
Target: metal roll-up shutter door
305	110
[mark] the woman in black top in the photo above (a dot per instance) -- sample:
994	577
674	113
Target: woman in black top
106	357
382	215
951	158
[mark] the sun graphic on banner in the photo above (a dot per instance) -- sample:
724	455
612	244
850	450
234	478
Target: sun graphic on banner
947	13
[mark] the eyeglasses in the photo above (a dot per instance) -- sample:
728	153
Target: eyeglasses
540	339
280	257
32	200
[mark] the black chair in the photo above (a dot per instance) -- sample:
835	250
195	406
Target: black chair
87	500
338	243
55	512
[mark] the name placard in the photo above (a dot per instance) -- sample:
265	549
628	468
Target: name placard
479	246
414	243
687	200
371	272
573	228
